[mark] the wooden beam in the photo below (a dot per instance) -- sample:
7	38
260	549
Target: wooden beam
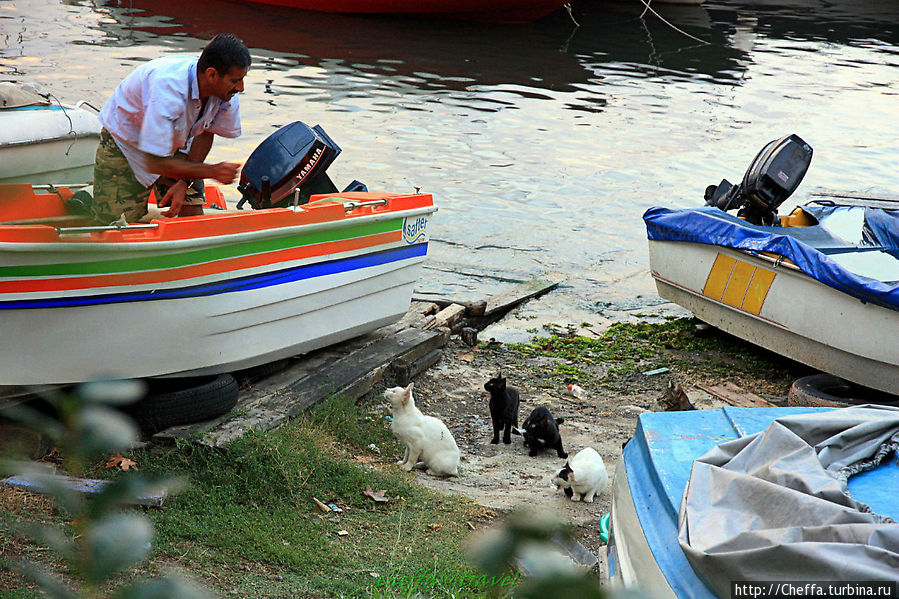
446	317
87	486
735	396
288	393
521	292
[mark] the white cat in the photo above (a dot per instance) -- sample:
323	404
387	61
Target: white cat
426	438
584	476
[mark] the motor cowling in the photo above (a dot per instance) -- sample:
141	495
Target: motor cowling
290	166
773	176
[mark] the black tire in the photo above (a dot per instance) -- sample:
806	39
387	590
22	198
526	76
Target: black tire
826	390
173	402
255	373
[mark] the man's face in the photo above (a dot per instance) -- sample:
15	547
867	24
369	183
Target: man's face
225	86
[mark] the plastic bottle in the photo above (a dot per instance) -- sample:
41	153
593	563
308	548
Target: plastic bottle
576	391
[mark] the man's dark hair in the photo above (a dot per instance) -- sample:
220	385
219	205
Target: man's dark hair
224	52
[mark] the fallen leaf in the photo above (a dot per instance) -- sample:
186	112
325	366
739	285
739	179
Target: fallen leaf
435	526
121	462
376	495
364	459
465	357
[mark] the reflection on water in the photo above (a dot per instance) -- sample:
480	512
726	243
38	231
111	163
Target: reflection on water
544	143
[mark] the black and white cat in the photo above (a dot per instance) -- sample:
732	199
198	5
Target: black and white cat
584	476
428	442
541	431
504	402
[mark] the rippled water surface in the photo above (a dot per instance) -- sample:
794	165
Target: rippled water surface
543	144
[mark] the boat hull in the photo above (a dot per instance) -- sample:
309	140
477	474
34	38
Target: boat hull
501	11
48	144
156	302
780	309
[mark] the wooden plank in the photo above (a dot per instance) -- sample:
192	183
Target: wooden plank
521	292
348	373
408	345
87	486
417	314
735	396
446	317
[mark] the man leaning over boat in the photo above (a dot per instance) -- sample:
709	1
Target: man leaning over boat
158	128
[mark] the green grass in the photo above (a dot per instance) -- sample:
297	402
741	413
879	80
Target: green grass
626	349
246	524
252	506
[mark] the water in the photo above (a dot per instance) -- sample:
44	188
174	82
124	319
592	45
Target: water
542	144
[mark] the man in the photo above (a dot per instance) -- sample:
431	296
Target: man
158	128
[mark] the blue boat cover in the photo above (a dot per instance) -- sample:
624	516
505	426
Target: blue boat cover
809	248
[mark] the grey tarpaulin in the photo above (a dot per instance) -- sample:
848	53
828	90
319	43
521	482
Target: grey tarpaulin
774	506
16	95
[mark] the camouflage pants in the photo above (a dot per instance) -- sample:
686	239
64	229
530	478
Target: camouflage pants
117	191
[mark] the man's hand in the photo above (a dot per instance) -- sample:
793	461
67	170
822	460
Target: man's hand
174	198
224	172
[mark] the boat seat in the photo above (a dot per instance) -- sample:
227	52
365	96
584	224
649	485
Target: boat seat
21	204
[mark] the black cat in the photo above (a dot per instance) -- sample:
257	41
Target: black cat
503	408
541	431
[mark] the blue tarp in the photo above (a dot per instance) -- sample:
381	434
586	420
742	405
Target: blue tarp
809	248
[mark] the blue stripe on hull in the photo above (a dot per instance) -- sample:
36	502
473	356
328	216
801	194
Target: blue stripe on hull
260	281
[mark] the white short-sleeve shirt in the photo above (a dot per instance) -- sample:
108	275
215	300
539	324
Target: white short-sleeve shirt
156	110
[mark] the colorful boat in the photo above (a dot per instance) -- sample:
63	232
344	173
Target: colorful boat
674	535
200	295
821	287
494	11
43	141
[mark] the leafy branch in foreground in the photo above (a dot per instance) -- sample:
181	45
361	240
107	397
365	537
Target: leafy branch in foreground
527	540
105	538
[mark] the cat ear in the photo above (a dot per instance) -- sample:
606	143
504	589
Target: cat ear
409	387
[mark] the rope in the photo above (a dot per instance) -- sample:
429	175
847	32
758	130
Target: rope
567	6
648	8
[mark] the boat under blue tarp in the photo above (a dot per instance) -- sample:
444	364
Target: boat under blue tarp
828	256
658	461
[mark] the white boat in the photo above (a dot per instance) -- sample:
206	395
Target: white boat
206	294
821	288
44	141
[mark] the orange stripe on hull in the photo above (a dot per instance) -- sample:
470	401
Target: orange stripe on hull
201	270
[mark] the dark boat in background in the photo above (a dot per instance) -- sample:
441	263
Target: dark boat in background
493	11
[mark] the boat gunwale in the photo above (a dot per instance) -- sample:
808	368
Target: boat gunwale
83	243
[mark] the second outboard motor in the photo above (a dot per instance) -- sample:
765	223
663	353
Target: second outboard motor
771	178
293	158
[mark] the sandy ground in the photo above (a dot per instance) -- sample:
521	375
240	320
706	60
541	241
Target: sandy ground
504	477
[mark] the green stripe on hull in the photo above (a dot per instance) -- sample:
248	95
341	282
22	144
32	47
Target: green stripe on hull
189	258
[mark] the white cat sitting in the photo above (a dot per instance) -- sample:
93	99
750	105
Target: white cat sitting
426	438
584	476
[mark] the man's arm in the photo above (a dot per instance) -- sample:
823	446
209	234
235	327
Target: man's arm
194	167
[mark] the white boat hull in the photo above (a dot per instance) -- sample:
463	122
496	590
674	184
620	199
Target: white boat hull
215	294
48	145
782	310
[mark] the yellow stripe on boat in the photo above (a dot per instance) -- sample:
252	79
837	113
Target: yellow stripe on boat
738	283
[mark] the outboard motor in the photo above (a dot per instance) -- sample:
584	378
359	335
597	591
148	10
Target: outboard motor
290	166
771	178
